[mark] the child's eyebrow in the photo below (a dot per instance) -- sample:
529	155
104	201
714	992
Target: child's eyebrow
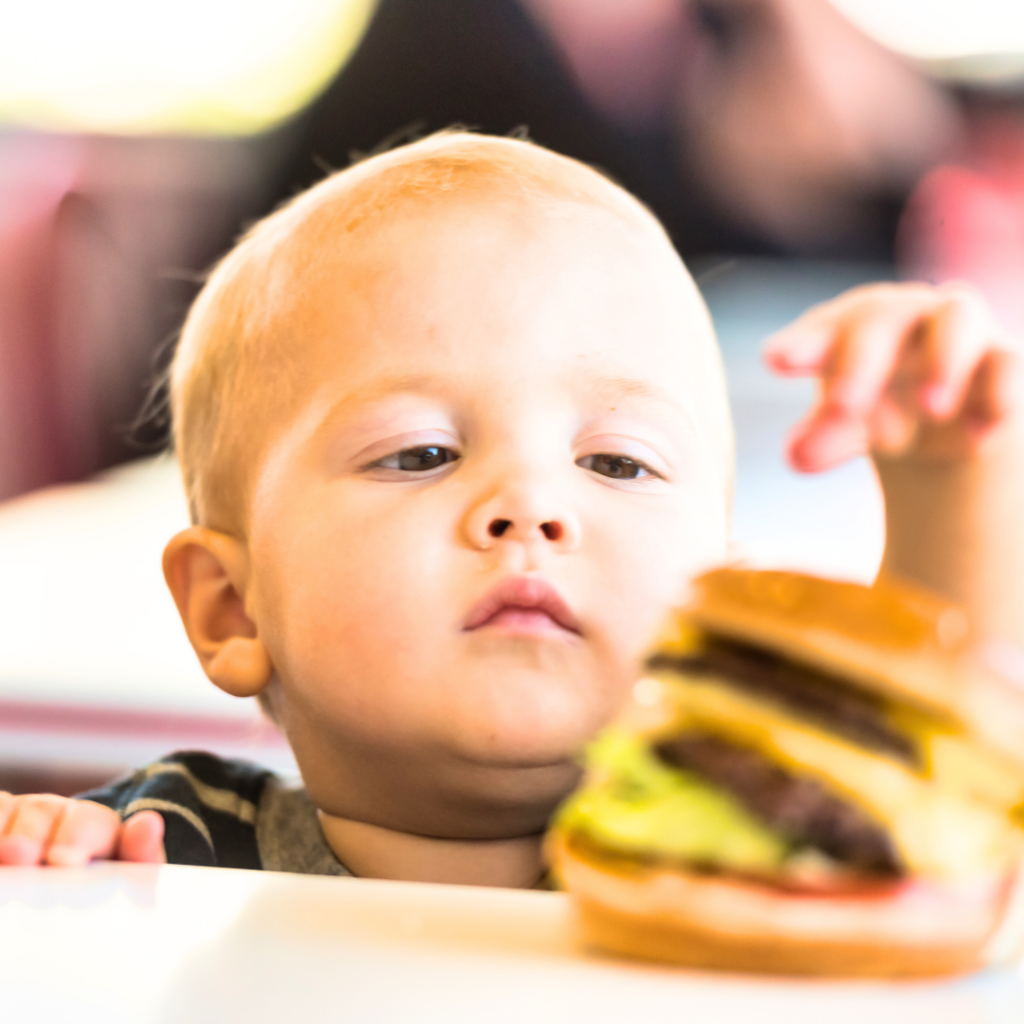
601	390
612	389
384	387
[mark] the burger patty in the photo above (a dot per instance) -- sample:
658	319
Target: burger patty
799	808
846	710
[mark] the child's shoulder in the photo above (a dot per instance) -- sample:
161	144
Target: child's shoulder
222	812
209	805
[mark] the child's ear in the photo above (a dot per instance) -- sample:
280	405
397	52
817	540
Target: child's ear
208	573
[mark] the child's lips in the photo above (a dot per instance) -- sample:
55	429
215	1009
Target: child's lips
524	606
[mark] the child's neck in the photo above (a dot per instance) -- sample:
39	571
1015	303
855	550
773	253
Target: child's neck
370	851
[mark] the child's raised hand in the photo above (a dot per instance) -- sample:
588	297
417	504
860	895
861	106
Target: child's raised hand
55	830
904	370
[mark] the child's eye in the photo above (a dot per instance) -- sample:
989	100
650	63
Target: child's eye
421	459
618	467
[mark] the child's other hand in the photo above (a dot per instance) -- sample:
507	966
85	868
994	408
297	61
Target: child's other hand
904	370
54	830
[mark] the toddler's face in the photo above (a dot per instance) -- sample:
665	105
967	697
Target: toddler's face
510	458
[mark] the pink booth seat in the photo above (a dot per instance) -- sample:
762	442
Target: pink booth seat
102	239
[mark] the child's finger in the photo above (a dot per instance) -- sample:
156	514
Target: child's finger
891	428
7	804
29	828
959	330
142	838
996	390
85	831
800	348
866	352
822	441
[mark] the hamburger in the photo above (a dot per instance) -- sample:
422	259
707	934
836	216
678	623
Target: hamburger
814	778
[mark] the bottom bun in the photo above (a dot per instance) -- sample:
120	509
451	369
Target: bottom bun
707	921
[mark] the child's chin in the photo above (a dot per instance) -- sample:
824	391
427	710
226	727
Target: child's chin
528	734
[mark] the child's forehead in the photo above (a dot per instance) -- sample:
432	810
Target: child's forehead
489	284
458	242
414	325
458	285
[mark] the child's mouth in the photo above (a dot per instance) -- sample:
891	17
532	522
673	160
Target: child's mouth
522	622
523	606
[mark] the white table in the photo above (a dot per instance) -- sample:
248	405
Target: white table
117	943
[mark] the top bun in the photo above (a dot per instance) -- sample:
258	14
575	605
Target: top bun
891	638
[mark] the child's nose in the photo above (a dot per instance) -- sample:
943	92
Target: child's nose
517	515
552	529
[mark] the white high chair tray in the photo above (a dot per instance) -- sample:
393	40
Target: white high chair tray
183	945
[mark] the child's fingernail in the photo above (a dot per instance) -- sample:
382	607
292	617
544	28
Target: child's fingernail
789	354
785	340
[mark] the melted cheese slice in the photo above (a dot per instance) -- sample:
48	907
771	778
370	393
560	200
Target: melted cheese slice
937	823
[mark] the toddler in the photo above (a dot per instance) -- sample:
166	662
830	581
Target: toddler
454	433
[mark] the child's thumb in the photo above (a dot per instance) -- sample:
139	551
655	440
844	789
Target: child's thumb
142	838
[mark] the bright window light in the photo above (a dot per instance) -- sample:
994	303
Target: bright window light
941	30
191	66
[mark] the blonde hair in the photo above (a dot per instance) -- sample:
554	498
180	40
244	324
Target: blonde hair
236	334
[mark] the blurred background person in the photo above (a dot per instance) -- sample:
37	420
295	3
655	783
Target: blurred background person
771	126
